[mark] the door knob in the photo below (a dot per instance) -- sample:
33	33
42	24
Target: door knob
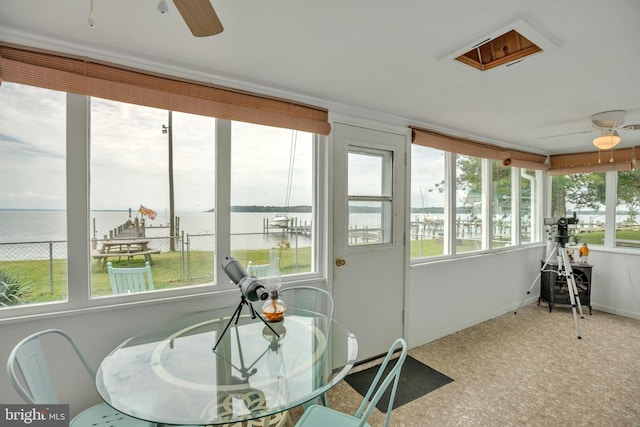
340	261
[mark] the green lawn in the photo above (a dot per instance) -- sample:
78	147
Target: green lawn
168	269
433	247
631	236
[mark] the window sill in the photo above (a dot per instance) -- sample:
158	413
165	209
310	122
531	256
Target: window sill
67	308
224	295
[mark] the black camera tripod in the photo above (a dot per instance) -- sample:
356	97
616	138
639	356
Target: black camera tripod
564	269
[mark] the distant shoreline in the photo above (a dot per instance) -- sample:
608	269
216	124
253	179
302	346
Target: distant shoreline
290	209
248	208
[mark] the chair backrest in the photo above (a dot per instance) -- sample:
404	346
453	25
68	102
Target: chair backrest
265	270
308	299
29	357
375	392
130	279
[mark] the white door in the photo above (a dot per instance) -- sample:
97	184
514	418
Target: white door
368	265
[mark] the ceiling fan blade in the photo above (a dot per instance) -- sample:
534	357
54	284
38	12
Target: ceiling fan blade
199	16
566	134
632	127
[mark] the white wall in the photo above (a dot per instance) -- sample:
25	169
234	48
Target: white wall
616	282
451	295
448	296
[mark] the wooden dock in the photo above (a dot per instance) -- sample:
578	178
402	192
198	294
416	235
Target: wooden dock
292	227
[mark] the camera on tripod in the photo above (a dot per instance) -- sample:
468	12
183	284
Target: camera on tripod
561	234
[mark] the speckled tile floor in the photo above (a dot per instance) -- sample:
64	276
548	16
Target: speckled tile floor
527	369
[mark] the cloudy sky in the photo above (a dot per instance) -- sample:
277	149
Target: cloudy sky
427	174
129	157
32	149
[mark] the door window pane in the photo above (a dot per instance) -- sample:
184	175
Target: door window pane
148	205
33	218
628	209
272	193
427	202
370	192
468	203
366	175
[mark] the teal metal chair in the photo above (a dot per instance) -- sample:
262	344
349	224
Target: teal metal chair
309	300
322	416
39	388
264	270
130	279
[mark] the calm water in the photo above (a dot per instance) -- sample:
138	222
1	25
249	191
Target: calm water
18	226
37	226
21	226
44	226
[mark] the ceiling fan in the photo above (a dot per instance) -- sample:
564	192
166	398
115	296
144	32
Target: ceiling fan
199	16
609	123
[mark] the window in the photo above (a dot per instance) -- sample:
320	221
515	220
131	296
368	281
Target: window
370	196
582	194
627	209
469	219
147	205
501	214
108	168
33	218
493	205
428	200
530	218
482	198
272	193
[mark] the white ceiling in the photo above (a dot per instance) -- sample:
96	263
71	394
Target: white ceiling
379	59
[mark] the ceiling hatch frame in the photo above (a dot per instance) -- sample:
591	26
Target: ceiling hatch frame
506	45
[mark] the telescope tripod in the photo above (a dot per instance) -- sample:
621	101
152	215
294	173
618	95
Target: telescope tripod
236	317
564	269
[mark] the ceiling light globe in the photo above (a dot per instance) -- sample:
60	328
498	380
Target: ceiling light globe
607	140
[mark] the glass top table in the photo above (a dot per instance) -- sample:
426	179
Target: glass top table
170	374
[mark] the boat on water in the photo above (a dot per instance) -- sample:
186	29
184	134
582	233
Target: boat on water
280	220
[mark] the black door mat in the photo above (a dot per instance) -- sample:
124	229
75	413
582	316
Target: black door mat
416	380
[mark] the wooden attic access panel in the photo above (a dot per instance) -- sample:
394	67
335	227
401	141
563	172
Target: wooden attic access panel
509	47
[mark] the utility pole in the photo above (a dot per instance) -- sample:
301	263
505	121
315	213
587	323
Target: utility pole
169	130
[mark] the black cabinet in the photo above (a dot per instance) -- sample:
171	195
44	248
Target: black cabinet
554	289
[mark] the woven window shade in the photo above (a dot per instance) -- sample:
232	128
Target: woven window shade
522	159
87	77
592	162
429	138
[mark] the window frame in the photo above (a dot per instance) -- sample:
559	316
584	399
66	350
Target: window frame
615	182
610	211
487	214
79	234
386	198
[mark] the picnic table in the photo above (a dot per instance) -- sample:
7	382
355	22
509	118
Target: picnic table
124	247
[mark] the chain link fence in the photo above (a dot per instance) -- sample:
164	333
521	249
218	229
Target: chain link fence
198	251
49	257
45	262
